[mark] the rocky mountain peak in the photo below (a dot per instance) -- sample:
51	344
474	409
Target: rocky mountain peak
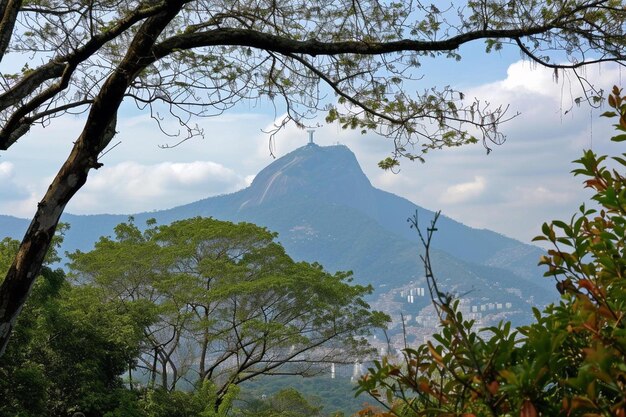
328	173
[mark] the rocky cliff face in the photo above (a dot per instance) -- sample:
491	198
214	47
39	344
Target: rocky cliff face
330	174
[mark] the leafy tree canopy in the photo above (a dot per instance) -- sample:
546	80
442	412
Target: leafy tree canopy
69	350
186	312
285	403
223	302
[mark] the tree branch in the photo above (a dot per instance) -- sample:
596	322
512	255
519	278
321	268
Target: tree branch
8	14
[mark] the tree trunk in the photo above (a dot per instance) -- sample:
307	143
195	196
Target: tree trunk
98	131
154	370
205	345
8	14
174	376
164	373
19	279
130	374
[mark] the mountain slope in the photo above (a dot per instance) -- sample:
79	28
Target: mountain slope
325	209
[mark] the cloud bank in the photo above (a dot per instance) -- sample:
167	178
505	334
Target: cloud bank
132	187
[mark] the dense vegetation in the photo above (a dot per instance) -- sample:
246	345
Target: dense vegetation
335	395
171	320
570	362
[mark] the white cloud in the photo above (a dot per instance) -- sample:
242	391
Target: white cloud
15	198
150	183
20	207
541	196
523	77
6	170
248	179
466	191
130	186
527	180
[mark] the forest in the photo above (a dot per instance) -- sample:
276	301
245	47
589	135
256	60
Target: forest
177	316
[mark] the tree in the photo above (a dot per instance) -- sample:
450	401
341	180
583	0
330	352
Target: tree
68	351
201	57
284	403
228	303
570	362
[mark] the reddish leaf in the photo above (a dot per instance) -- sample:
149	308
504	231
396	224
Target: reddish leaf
612	101
493	387
528	409
588	285
424	387
436	356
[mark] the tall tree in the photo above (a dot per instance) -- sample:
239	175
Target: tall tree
230	303
201	57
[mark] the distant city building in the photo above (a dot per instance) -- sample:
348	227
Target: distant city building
357	371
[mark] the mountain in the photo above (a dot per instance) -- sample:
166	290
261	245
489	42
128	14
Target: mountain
325	209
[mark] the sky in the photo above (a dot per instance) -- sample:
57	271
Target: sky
513	190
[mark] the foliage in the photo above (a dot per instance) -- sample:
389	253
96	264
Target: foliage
213	54
334	395
201	402
284	403
223	302
69	351
161	300
570	362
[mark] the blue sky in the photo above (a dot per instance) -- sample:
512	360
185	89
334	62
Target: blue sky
513	190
